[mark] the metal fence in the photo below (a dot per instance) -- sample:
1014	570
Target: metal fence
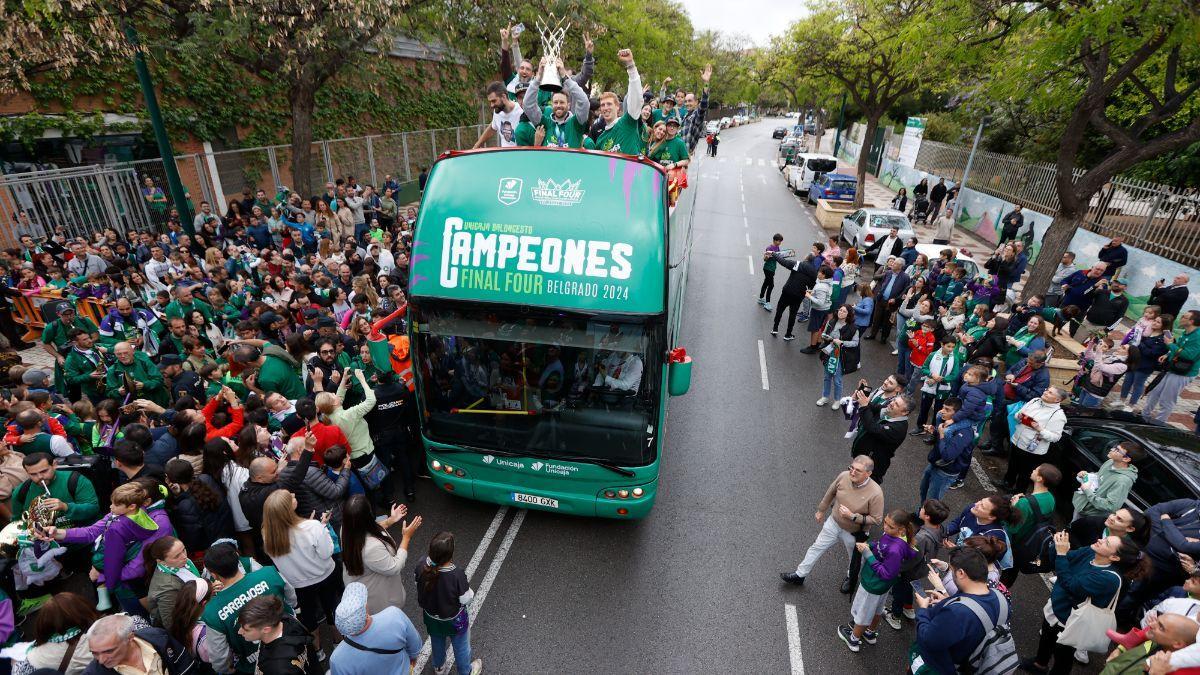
83	200
1158	219
89	198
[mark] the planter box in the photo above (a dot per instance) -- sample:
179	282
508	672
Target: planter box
830	213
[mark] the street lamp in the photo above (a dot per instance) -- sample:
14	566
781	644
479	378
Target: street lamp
967	170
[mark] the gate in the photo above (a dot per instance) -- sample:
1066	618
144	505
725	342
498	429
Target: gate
83	200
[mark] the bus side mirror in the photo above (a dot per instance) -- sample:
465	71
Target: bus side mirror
679	376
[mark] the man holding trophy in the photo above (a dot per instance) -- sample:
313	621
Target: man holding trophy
565	119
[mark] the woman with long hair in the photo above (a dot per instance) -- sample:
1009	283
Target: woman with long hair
839	350
1151	346
986	517
443	594
362	286
1095	574
186	626
851	269
1030	338
198	507
302	549
991	343
60	641
371	556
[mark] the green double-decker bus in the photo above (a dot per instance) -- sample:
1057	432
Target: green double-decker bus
544	308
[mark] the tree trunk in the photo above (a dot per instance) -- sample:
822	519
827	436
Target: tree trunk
1049	252
820	130
303	101
864	157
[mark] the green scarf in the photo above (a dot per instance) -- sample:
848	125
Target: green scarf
174	571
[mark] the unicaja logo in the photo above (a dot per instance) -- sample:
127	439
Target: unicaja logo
488	459
551	193
537	466
509	192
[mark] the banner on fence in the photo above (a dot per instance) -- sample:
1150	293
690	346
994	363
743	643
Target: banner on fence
910	145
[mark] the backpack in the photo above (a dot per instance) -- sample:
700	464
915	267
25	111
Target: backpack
996	654
1035	554
72	484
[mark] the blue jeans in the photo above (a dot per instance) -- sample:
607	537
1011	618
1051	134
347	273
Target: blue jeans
462	651
360	229
834	379
935	482
1134	385
1089	400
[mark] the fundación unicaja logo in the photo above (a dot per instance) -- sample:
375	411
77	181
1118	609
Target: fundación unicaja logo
509	191
488	459
537	466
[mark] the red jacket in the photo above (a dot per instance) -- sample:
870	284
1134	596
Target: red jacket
229	430
13	432
920	346
328	435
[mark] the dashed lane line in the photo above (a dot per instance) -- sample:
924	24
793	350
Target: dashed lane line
762	365
793	630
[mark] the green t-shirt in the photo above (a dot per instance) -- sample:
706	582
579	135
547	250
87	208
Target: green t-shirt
675	113
568	134
177	310
221	614
673	150
1018	532
625	135
523	134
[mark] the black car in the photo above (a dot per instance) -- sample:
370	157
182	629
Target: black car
1170	469
780	132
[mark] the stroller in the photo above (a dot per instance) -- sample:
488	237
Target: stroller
920	210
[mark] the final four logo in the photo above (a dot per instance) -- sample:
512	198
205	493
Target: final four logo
550	193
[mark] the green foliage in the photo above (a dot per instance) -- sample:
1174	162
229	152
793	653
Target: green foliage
27	129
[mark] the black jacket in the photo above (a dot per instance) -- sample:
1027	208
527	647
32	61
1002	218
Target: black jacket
878	439
175	657
1170	299
873	250
1107	310
254	495
289	654
196	526
803	275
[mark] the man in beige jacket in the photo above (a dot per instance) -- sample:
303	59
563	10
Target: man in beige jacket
854	503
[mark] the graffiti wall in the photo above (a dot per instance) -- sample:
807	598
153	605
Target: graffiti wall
1142	272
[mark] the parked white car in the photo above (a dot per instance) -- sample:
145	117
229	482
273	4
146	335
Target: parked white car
808	166
962	257
863	227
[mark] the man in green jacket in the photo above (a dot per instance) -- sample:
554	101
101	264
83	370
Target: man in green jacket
183	304
1182	362
71	494
277	370
84	367
136	369
56	342
1106	491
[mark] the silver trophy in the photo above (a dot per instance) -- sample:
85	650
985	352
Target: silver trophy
553	32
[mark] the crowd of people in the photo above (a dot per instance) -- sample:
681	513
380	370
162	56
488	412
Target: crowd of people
207	480
972	358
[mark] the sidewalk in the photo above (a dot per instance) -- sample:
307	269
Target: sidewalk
881	195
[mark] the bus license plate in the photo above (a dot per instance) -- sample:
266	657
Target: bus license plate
535	500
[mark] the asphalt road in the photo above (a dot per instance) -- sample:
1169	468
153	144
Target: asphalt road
694	587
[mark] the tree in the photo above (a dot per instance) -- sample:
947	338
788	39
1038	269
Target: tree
1125	72
875	49
300	44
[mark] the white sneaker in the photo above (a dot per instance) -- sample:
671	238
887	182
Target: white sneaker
822	401
836	404
1081	656
476	666
895	352
768	307
910	613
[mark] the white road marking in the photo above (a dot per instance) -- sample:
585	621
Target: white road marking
743	207
745	222
981	475
747	238
749	161
793	631
762	365
750	263
488	578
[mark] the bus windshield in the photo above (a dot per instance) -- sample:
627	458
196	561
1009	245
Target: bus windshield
550	385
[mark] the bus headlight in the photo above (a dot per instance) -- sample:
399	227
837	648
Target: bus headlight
447	468
638	492
436	465
460	473
623	493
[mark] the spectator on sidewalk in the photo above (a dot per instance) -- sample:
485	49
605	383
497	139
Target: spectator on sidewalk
948	631
937	194
1107	489
1077	289
1170	299
1066	267
1182	364
1011	224
1038	423
945	225
1109	304
884	248
1114	254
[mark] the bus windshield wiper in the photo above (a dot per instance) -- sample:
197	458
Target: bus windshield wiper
600	462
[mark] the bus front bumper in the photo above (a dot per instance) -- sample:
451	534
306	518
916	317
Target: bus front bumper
554	501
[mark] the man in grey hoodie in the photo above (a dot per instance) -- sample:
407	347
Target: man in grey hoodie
1105	491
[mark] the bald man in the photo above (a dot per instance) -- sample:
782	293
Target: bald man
1164	633
264	479
134	370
